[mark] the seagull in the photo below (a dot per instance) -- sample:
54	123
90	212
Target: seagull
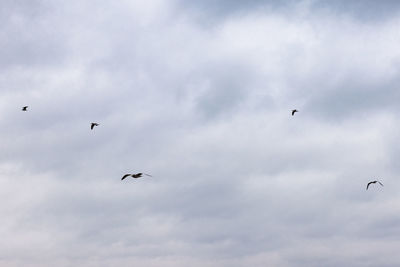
373	182
294	111
93	124
24	108
135	175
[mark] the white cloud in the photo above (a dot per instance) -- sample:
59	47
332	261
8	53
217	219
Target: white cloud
205	108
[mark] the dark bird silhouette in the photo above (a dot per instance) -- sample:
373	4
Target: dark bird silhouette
93	124
135	175
294	111
126	175
373	182
24	108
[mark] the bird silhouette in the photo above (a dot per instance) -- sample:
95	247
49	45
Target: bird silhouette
24	108
93	124
294	111
373	182
135	175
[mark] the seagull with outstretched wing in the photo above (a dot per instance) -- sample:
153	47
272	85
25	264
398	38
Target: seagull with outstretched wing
373	182
24	108
294	111
135	175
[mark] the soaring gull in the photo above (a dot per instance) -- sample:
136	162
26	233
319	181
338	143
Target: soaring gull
135	175
373	182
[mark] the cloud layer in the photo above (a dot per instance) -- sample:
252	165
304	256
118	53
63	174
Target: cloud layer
199	95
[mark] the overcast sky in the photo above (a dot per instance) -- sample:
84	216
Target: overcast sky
199	95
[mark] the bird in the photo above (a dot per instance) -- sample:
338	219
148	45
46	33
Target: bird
135	175
93	124
24	108
294	111
373	182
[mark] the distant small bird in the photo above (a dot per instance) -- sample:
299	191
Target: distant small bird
373	182
137	175
24	108
93	124
294	111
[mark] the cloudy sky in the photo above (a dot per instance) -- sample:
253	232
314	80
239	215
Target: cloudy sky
199	94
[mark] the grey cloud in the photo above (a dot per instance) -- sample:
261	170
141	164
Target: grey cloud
237	180
223	7
29	35
364	11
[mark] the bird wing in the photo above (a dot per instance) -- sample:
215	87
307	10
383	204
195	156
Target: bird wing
92	126
126	175
293	111
368	185
380	183
148	175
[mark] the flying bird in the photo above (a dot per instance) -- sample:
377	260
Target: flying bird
24	108
135	175
373	182
294	111
93	124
